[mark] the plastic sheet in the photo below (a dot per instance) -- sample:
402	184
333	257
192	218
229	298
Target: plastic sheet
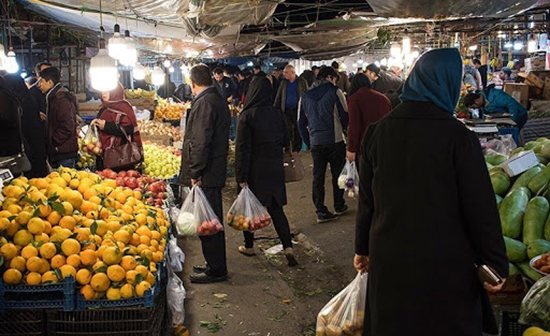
175	296
535	307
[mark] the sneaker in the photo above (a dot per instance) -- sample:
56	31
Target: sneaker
325	217
289	254
342	210
249	252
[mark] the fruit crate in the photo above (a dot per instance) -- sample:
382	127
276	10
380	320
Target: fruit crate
59	295
127	321
22	323
509	325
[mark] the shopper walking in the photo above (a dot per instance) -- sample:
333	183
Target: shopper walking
116	122
365	107
204	163
261	138
61	137
436	214
323	118
288	95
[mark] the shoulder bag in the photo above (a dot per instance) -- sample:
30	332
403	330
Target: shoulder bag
125	156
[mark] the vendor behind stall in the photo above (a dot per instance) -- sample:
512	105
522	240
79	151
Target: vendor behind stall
492	101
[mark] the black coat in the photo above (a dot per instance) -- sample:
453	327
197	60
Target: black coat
427	213
261	137
206	141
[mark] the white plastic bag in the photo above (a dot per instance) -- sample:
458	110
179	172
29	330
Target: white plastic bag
345	313
349	179
175	293
177	257
196	216
247	213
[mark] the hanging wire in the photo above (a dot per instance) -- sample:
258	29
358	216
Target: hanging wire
9	22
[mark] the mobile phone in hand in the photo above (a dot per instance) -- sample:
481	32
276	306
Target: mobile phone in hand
489	275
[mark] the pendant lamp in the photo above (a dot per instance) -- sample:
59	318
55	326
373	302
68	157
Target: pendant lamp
157	76
11	62
117	44
103	70
139	72
129	56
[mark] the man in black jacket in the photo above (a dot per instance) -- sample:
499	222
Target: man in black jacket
204	163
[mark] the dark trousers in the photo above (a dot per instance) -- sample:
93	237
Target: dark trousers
281	226
293	131
213	247
67	163
335	155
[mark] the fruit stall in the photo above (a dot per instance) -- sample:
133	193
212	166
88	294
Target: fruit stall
85	253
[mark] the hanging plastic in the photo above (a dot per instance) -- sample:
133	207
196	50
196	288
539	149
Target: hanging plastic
247	213
175	294
345	313
177	257
196	216
91	143
535	307
349	179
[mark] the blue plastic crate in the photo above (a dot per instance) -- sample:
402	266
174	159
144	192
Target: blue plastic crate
59	295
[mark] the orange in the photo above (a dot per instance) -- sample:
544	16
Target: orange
49	276
116	273
145	240
42	238
142	287
74	198
143	230
70	246
88	257
69	209
113	294
150	278
128	263
135	241
73	260
29	251
100	282
57	261
111	255
68	270
44	267
13	227
23	217
142	270
36	226
73	184
83	234
138	195
127	291
99	267
67	222
33	279
131	277
88	207
18	263
48	228
9	251
22	238
141	219
89	193
83	276
48	250
12	276
45	210
95	199
4	223
158	256
155	235
34	264
54	217
88	292
59	181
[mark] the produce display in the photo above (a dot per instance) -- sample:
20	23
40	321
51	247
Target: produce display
74	223
535	331
91	144
524	208
154	127
162	162
139	94
154	191
170	111
85	160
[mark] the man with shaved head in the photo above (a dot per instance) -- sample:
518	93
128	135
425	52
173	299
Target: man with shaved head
289	93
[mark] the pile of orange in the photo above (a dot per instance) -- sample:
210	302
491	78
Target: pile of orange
169	111
73	223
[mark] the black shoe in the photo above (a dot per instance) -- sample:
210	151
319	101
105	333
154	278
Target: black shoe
342	210
289	254
325	217
200	268
203	278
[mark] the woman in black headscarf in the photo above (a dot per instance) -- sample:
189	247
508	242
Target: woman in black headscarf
261	138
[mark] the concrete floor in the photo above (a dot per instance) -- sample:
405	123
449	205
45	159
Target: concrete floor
264	296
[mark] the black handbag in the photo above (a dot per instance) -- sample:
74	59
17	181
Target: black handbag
18	163
123	157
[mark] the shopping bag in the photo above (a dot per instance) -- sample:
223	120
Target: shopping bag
349	179
294	168
175	294
196	216
177	257
91	143
247	213
535	307
344	314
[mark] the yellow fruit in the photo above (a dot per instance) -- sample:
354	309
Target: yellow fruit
67	222
4	223
74	198
22	238
58	261
88	292
127	291
54	217
42	238
45	210
13	227
82	234
128	263
70	246
98	266
83	276
142	270
73	260
113	294
29	251
73	184
123	236
116	273
131	277
18	263
100	282
49	276
33	279
111	255
34	264
68	270
67	177
88	257
142	287
534	331
69	209
150	278
12	276
59	181
61	235
36	226
48	250
9	251
23	217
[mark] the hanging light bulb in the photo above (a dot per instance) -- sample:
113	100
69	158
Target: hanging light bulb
103	70
171	69
406	49
360	61
23	74
518	45
354	65
184	70
157	76
473	47
532	45
117	44
167	63
395	50
508	45
139	72
384	61
11	62
415	54
129	56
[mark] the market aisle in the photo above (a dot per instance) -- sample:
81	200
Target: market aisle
263	295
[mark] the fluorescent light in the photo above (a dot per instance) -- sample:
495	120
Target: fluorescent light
532	46
406	45
473	47
518	45
508	45
167	63
395	50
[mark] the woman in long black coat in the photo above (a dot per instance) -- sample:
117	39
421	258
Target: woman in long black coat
427	212
261	138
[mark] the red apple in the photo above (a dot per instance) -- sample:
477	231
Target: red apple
120	181
159	202
131	183
133	173
122	174
161	195
85	149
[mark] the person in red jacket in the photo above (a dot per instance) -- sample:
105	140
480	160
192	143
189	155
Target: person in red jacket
115	120
61	137
365	106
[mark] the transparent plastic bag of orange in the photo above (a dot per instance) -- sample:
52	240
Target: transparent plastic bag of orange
247	213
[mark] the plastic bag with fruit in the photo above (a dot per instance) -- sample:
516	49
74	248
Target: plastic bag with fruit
175	293
344	314
247	213
196	216
91	143
349	179
535	307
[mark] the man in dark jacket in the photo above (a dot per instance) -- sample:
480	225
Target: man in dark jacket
204	163
323	117
224	85
61	137
37	95
289	93
343	82
387	81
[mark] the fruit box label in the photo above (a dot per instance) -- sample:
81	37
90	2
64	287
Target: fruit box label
520	163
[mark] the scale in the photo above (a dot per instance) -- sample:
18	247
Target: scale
5	176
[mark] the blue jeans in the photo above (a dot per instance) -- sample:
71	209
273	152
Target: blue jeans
67	163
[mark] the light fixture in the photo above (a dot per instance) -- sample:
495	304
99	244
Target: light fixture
473	47
11	62
169	49
129	56
518	45
377	63
409	59
384	61
249	64
157	76
171	69
23	74
103	70
360	61
532	45
406	45
167	63
395	50
354	65
117	44
508	45
184	70
415	54
139	72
